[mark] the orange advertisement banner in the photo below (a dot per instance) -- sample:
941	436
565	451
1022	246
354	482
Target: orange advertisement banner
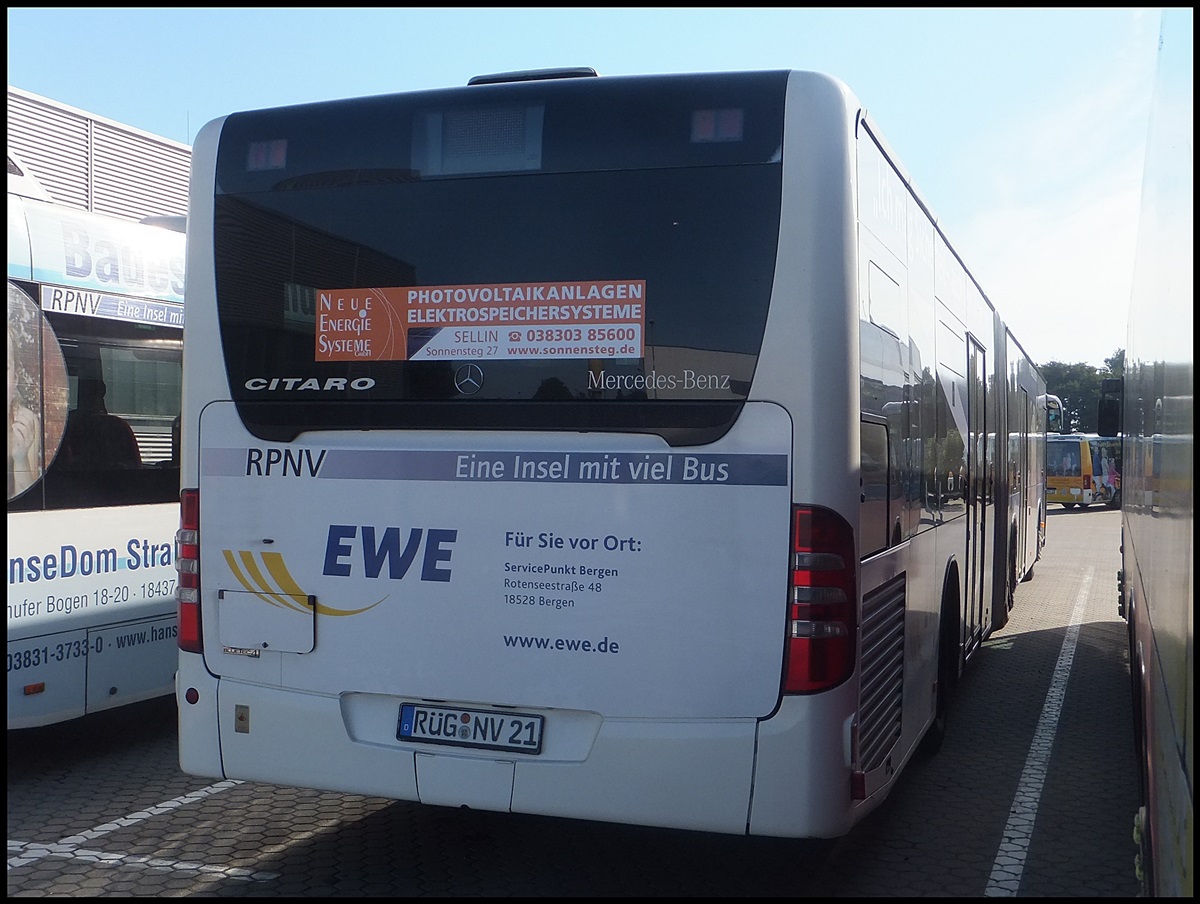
592	319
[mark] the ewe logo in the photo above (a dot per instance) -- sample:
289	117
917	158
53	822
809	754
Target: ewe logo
266	576
378	553
377	548
351	551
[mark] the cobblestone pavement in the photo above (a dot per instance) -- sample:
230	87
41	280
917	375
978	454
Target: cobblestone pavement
1032	795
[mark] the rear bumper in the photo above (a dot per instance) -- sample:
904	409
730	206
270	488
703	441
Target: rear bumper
679	774
685	774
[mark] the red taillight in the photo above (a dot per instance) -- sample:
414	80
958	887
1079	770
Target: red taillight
822	627
187	563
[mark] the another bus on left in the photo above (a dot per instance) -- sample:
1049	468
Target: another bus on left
1054	415
95	337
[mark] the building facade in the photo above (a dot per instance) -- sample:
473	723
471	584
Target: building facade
96	164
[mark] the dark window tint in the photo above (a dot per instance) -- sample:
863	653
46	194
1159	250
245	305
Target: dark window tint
677	188
118	443
875	473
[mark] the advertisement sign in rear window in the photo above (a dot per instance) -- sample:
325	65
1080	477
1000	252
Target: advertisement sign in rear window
595	319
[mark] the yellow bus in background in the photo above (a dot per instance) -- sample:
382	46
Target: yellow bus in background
1082	469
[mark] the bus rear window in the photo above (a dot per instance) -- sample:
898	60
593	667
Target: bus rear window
604	264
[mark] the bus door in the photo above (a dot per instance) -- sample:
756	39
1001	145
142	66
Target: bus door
977	495
1020	475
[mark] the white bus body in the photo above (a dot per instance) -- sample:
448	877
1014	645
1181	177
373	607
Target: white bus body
95	318
609	448
1156	420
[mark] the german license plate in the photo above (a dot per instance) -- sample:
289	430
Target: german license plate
488	729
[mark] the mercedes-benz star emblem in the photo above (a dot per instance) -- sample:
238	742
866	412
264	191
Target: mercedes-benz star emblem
468	379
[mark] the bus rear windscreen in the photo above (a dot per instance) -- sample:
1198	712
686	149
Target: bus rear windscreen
356	279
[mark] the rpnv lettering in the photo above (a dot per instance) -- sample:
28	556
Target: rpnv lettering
283	462
392	547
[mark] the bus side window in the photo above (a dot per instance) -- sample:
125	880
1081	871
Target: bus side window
173	461
873	482
95	439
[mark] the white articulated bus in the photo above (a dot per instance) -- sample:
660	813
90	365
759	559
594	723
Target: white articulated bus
618	448
95	330
1153	410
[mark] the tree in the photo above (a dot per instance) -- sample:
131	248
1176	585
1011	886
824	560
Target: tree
1078	385
1115	364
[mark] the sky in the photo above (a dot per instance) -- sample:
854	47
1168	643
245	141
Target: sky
1024	129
